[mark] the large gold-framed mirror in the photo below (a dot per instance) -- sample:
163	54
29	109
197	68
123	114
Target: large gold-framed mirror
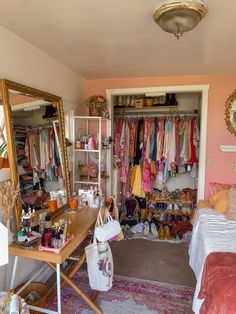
230	113
36	145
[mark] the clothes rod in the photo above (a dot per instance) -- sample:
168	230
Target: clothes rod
155	114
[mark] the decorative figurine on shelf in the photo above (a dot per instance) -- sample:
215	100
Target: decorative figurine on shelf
97	106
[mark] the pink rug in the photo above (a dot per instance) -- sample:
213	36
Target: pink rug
129	296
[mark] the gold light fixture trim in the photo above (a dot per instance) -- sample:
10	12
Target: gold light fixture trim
178	17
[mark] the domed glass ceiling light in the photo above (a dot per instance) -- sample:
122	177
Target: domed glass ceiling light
178	17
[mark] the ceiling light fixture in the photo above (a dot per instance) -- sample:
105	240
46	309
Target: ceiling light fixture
178	17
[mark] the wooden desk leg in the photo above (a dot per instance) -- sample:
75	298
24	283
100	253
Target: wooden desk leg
77	266
13	276
93	306
58	289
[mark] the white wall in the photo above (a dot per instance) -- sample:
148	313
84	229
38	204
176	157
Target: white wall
23	63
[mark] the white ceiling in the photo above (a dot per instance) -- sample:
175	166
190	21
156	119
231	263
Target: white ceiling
118	38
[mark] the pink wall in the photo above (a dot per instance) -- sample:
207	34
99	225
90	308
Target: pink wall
217	134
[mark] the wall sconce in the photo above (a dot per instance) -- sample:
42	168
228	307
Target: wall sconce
180	16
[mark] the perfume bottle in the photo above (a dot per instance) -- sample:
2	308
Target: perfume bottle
33	217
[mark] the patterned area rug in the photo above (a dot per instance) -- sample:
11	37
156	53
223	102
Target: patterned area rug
128	295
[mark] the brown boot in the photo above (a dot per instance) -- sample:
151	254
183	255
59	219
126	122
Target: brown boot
167	233
161	233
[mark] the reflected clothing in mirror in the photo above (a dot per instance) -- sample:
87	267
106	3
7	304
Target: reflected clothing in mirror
38	163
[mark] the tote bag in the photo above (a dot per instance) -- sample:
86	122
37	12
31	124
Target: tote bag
108	230
100	265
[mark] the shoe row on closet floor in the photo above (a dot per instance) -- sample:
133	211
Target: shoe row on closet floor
175	229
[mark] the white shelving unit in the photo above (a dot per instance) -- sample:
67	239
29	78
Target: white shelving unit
82	123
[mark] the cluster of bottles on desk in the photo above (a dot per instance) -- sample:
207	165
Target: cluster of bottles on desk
28	218
55	236
92	197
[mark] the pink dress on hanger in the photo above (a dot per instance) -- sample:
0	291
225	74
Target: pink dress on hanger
146	177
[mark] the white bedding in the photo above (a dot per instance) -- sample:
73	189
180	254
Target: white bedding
212	232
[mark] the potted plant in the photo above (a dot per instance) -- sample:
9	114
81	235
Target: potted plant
4	162
97	105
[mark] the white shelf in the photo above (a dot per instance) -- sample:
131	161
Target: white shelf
228	148
88	182
91	150
91	118
87	150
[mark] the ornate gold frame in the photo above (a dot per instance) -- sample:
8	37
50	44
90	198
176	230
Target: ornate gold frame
228	107
5	86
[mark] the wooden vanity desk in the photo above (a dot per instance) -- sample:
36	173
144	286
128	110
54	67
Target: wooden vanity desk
82	223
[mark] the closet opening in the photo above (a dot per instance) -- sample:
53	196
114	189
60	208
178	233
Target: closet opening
158	157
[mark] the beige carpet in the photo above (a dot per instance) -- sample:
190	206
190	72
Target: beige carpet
158	261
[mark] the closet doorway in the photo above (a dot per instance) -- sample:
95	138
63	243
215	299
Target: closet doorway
192	95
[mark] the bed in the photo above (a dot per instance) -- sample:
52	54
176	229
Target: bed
212	232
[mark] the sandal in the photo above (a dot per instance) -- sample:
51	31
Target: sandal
154	229
128	232
167	233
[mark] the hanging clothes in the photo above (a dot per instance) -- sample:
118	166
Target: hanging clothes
153	149
192	159
137	188
177	140
133	137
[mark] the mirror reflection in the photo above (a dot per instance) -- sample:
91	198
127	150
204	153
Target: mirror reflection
233	114
4	160
38	150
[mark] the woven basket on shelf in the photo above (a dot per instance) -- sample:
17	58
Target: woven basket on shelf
37	287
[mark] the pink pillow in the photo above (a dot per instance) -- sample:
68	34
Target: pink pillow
215	187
